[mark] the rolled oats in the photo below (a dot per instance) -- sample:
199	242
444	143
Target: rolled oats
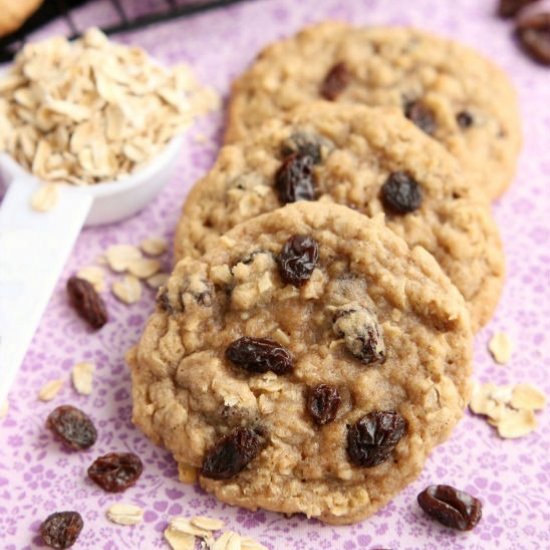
154	246
209	524
119	256
50	390
94	275
100	109
158	280
248	543
528	397
45	197
128	289
500	347
516	423
4	409
124	514
82	376
178	540
227	541
143	268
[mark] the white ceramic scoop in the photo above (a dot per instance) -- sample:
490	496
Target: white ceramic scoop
34	246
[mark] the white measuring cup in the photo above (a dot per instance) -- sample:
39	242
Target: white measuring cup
34	246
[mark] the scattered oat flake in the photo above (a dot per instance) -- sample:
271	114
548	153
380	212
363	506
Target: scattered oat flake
119	256
178	540
154	246
228	541
125	514
500	347
50	390
157	280
4	409
45	197
144	268
516	424
248	543
95	275
527	397
184	525
128	289
187	474
210	524
82	376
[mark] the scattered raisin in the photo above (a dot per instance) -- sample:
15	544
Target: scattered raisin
533	33
361	332
61	529
335	82
464	119
259	355
323	402
510	8
294	180
115	472
303	144
298	259
401	194
72	426
421	115
231	454
374	436
451	507
87	302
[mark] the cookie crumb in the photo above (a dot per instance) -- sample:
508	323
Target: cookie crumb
82	377
124	514
45	197
187	474
50	390
500	347
127	290
95	275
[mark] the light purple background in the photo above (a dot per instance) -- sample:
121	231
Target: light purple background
511	477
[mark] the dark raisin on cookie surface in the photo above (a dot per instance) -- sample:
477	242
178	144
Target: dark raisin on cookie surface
231	454
323	402
361	332
303	144
373	437
421	116
401	194
294	180
451	507
335	82
72	426
259	355
298	259
464	119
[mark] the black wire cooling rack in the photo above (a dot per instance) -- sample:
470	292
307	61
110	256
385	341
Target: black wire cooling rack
53	9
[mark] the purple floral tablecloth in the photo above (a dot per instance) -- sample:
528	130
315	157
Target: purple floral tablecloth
512	477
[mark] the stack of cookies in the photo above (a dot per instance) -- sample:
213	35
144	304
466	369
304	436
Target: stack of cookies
313	343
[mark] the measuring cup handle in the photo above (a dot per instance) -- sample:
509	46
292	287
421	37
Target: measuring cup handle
34	247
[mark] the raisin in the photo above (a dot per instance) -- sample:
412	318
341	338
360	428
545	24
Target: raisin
61	529
335	82
323	402
510	8
533	33
361	332
401	194
115	472
298	259
451	507
87	302
231	454
374	436
163	301
421	116
294	180
259	355
304	144
464	119
72	426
